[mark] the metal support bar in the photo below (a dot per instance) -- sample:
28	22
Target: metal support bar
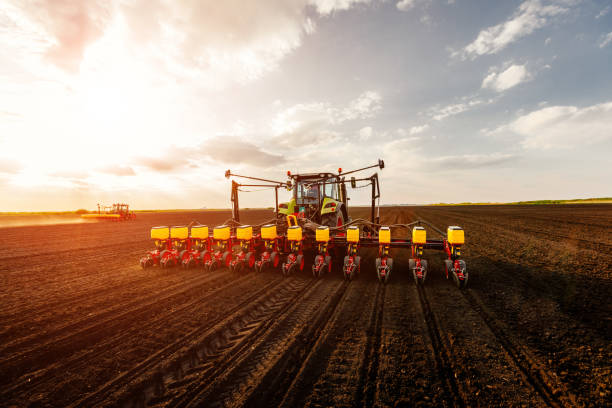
229	174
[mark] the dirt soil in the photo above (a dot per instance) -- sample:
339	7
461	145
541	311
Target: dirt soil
83	325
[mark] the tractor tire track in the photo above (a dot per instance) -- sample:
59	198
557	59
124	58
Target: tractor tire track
407	374
266	375
455	395
30	382
548	234
94	299
366	390
243	372
68	337
472	350
335	369
204	348
544	382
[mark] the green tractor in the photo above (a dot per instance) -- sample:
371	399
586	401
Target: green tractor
318	197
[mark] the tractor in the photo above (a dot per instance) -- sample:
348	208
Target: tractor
318	197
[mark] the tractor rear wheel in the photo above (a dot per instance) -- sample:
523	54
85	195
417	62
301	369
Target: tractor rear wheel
333	220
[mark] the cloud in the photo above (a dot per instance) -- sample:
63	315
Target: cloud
603	12
6	115
215	42
365	133
9	166
311	124
71	26
510	77
121	170
232	150
220	149
530	16
471	161
325	7
364	107
559	127
167	163
607	39
405	5
454	109
415	130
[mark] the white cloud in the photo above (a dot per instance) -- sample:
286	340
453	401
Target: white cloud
607	39
454	109
512	76
530	16
547	41
325	7
603	12
365	133
365	106
405	5
415	130
212	42
315	123
559	127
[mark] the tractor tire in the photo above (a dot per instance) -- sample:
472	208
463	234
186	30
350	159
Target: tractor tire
333	220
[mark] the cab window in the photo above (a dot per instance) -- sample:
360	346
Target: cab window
305	191
330	189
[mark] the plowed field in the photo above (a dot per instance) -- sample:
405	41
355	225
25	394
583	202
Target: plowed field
83	325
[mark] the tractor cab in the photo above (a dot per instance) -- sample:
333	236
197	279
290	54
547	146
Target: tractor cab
320	197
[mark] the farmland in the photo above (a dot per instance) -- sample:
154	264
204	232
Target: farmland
84	325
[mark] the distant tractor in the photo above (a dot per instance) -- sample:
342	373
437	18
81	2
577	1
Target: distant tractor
115	212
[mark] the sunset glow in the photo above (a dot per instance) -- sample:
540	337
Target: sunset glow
126	100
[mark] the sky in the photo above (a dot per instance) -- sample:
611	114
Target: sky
150	101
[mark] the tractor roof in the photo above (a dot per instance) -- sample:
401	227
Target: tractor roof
310	176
